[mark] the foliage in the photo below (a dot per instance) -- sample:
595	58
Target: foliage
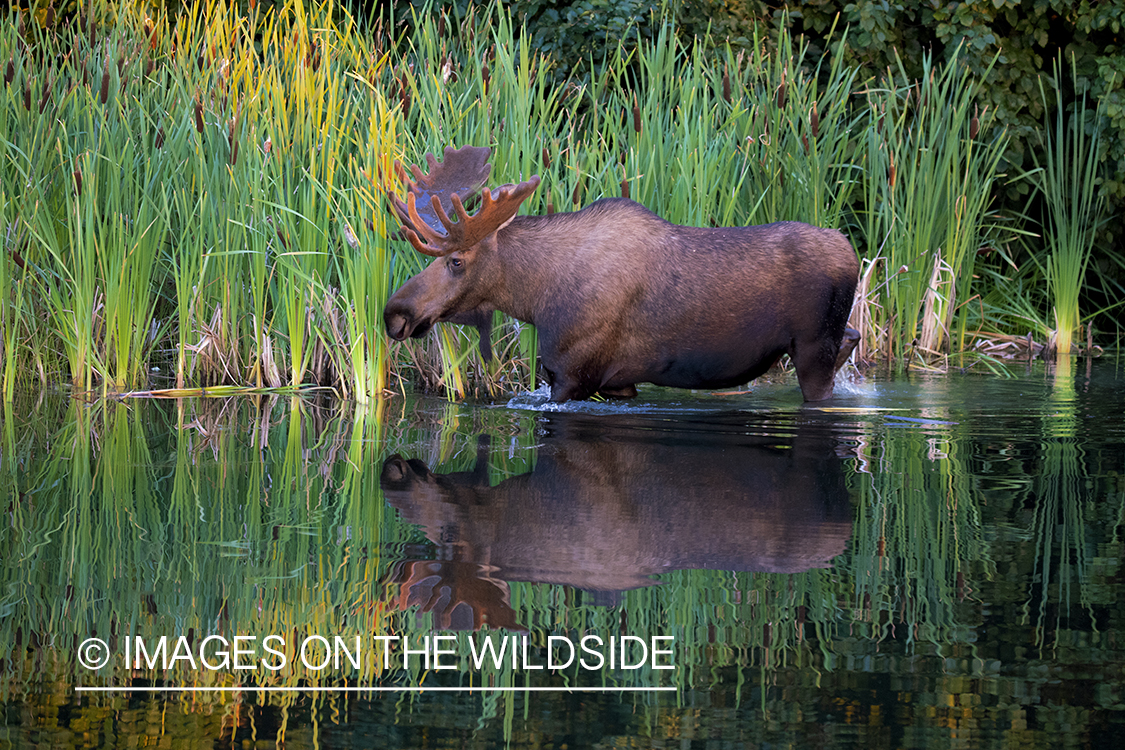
246	244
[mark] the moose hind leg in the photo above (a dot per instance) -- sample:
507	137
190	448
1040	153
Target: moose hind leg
815	361
627	391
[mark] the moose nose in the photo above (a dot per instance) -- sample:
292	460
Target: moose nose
397	325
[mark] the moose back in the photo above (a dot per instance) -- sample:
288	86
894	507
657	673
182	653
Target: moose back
618	295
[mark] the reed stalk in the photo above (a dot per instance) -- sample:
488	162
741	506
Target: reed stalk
201	195
1067	178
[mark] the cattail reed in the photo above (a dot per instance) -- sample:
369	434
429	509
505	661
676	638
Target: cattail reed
158	139
814	121
726	83
576	195
485	76
781	95
974	125
27	94
625	187
404	94
636	115
45	96
103	95
550	207
78	182
232	137
49	18
891	175
546	159
10	71
198	114
312	60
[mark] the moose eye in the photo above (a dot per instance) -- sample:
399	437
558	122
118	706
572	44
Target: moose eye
456	264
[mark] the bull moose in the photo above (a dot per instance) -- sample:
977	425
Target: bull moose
620	296
613	500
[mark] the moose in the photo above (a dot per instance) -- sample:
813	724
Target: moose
615	499
620	296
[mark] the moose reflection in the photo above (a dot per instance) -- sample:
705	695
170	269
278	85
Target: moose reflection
613	501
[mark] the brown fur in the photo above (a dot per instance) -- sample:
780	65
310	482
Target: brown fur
620	296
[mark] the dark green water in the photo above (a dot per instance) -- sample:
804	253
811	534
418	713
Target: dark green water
929	562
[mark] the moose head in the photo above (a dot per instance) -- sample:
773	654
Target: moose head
618	295
454	287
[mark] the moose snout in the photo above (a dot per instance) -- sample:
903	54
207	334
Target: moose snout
397	324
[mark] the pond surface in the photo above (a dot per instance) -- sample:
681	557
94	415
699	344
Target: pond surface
928	561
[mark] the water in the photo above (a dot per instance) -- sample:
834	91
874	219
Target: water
929	561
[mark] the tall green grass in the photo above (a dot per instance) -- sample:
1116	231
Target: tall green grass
931	159
202	196
1067	178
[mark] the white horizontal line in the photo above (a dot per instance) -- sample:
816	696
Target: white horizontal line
408	689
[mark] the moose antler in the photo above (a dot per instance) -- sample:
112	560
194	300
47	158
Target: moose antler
449	183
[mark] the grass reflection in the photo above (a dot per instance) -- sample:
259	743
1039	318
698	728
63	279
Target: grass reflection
263	516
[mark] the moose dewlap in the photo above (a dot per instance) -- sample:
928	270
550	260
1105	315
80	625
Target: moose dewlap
620	296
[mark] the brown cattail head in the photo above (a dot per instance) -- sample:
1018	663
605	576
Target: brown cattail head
78	182
485	76
726	83
27	94
233	138
313	59
625	188
150	66
974	125
45	96
10	71
103	96
441	26
781	95
814	121
576	196
805	142
404	94
636	115
158	140
891	176
550	207
546	159
198	114
49	18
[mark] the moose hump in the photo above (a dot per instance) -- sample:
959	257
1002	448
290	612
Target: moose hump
612	502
